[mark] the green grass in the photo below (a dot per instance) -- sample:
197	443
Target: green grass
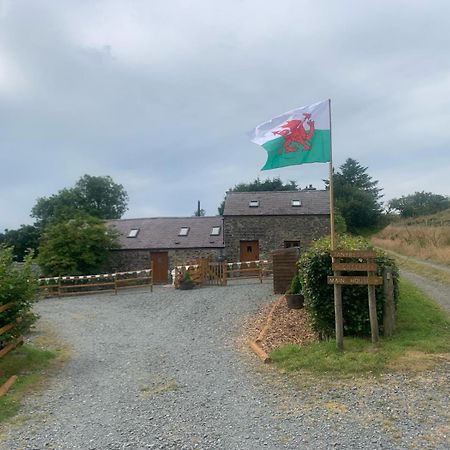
29	364
422	338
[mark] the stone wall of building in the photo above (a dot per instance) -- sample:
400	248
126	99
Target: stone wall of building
124	260
272	232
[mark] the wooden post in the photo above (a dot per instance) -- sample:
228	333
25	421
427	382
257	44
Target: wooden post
338	317
373	311
389	306
59	286
151	274
115	284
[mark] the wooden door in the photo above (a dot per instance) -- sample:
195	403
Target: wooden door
249	251
160	262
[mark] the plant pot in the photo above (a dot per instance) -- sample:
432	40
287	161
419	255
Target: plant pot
295	301
185	285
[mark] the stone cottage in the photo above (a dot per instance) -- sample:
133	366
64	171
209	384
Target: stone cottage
253	225
256	223
165	241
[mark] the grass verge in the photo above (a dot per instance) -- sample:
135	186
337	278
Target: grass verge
29	364
421	340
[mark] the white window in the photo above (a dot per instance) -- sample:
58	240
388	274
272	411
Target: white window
253	203
215	231
184	231
133	233
296	203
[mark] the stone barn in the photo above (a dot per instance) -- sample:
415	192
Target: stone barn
257	223
165	241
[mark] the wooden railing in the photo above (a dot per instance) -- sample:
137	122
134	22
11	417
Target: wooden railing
8	347
95	284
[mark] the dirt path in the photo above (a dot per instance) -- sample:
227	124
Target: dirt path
162	370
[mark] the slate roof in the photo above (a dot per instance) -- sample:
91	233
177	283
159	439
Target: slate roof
162	233
277	203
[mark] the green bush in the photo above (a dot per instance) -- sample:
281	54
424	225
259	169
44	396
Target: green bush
19	285
296	286
314	267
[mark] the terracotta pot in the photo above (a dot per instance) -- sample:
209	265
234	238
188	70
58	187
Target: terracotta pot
295	301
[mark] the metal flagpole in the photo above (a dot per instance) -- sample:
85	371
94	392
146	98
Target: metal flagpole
339	323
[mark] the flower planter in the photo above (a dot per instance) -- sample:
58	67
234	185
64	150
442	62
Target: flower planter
186	285
295	301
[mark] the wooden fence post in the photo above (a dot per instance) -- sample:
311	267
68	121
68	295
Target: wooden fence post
373	311
339	321
389	306
115	284
224	273
151	275
59	286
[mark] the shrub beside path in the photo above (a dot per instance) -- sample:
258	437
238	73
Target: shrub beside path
164	370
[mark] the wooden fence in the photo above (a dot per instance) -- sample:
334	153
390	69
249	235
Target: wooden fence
95	284
8	347
204	271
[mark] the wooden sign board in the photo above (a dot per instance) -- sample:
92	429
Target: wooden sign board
338	279
354	254
356	267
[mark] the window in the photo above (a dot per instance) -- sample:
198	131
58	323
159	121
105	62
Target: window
289	244
133	233
184	231
215	231
296	203
253	203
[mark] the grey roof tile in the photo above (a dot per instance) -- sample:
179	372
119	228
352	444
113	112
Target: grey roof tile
162	232
276	203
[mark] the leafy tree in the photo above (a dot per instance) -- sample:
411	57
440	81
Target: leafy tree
24	238
274	184
78	246
95	196
357	196
419	204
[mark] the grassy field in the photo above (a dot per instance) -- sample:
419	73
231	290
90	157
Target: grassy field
426	238
421	340
29	364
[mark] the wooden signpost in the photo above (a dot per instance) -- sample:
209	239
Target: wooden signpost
365	263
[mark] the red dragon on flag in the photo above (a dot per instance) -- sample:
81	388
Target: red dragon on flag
294	132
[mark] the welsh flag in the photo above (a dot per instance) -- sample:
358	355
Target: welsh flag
299	136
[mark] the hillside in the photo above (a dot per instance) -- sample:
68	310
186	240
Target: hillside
425	237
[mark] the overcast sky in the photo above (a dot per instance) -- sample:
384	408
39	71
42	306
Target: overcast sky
160	95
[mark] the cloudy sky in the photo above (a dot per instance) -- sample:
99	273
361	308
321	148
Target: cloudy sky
159	95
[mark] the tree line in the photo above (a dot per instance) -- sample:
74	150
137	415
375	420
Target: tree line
69	235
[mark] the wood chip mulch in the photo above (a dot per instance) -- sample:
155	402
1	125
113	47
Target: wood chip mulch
287	326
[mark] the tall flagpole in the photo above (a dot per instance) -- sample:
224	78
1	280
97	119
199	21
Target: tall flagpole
333	238
339	322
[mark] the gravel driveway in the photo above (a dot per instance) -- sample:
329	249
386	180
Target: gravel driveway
164	370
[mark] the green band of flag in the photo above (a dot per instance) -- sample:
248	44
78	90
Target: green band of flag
319	151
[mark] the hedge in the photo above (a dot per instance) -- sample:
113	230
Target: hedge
314	267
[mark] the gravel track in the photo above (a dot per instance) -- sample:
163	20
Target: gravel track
164	370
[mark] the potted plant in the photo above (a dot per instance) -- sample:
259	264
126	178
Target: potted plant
186	281
294	297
